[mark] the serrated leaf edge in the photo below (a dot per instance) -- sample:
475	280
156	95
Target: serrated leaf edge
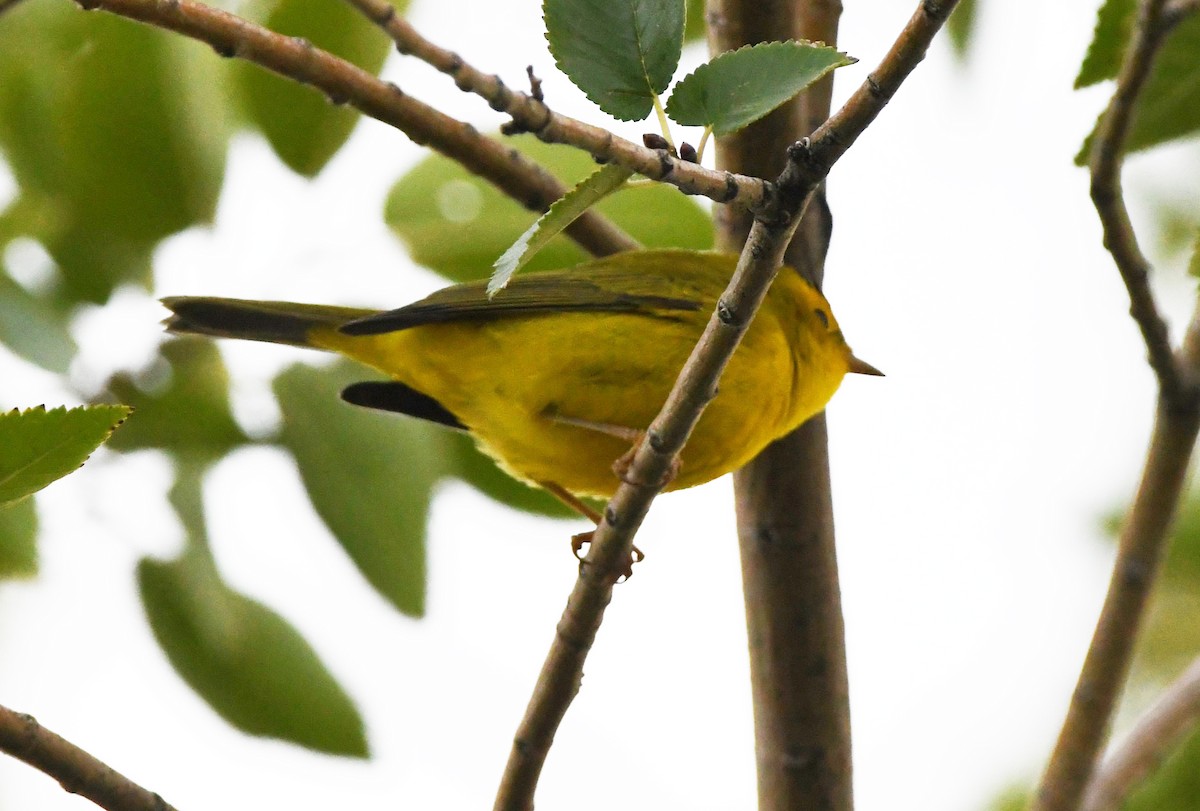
848	60
42	408
564	211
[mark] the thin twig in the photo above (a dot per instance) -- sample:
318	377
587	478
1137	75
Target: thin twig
1109	200
77	771
1156	734
562	671
342	82
1144	535
530	114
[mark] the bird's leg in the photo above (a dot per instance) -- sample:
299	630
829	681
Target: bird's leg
582	539
571	500
621	465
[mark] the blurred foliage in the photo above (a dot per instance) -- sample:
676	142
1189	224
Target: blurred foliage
246	661
182	405
1169	105
1013	798
305	128
694	27
115	134
1177	228
961	26
369	474
33	328
18	533
437	201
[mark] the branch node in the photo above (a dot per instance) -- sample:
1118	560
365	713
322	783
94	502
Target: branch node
666	163
502	97
387	13
535	85
935	10
610	516
731	188
655	440
727	314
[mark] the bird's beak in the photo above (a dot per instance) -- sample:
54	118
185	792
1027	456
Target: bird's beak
861	367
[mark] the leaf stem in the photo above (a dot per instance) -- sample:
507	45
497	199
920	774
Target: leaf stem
663	123
703	143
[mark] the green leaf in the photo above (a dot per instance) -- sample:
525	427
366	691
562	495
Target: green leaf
479	470
33	328
565	211
739	87
456	224
246	661
1175	785
1169	105
18	539
117	129
1114	25
1013	798
38	446
303	127
961	26
188	412
620	53
695	28
1194	263
369	476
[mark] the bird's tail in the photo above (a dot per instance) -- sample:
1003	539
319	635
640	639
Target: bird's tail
279	322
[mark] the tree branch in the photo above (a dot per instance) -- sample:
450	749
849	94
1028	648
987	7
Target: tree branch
1144	536
1109	200
1156	734
298	59
77	771
342	82
530	114
608	553
795	629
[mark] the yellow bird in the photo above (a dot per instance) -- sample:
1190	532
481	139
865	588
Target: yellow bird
562	371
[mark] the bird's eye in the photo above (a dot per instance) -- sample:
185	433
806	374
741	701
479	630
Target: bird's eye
822	317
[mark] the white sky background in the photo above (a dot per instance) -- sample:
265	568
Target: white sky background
968	483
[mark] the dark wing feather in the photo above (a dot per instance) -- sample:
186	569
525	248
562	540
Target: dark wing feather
605	289
392	395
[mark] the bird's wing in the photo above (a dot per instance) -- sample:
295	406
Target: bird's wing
602	287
